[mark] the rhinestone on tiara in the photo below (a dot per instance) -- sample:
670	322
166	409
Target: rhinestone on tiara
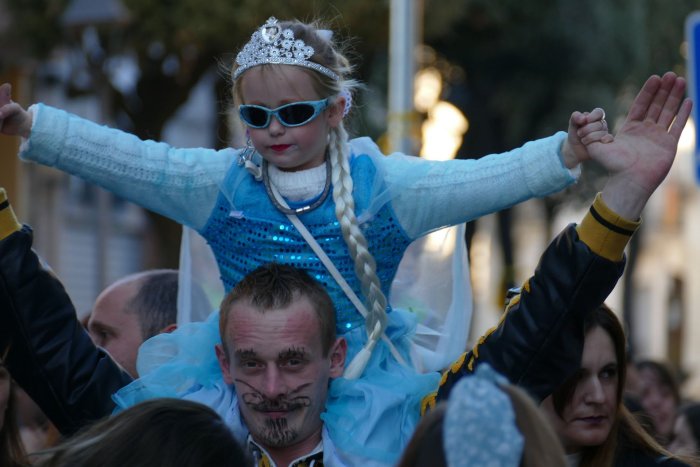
272	44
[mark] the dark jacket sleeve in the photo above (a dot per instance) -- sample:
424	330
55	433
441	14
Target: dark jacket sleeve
49	353
538	341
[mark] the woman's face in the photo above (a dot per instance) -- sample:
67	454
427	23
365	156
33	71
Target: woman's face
4	393
658	401
589	416
683	443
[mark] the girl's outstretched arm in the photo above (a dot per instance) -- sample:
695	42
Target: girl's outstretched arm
181	184
640	152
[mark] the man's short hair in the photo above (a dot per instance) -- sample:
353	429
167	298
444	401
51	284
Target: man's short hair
155	303
276	286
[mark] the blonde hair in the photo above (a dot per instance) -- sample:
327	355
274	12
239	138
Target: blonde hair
338	152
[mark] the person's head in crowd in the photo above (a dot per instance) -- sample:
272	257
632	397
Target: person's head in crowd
35	429
134	309
659	396
486	421
11	450
158	432
633	385
686	431
279	350
587	410
631	396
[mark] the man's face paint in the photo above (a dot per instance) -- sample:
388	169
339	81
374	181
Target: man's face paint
274	360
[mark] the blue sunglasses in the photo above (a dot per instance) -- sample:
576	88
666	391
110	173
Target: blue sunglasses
289	115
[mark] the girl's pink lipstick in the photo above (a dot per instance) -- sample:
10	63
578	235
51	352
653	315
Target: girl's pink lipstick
280	147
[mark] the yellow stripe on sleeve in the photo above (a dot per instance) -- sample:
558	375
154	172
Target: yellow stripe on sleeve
605	232
8	221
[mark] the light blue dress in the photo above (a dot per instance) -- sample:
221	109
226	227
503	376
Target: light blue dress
398	199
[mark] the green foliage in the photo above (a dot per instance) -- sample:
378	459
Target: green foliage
32	29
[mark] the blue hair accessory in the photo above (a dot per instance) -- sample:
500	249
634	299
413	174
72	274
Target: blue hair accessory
479	427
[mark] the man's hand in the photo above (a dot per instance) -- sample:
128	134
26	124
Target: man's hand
645	146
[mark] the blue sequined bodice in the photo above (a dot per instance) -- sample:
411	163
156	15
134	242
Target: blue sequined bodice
257	233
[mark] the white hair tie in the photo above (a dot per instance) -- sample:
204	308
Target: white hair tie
325	34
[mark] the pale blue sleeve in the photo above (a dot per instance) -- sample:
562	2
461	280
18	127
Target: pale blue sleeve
432	195
181	184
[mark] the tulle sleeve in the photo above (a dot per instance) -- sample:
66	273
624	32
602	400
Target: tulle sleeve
181	184
428	195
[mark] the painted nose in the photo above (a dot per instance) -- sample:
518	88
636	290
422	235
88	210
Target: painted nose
273	385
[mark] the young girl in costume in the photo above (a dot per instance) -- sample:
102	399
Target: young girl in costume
301	192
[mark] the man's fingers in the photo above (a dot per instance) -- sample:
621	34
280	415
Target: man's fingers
681	119
668	81
642	101
672	104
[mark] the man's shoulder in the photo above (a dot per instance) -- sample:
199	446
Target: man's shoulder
222	399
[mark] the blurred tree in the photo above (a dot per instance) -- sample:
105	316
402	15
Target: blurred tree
31	26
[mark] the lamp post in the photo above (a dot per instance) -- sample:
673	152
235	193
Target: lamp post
404	29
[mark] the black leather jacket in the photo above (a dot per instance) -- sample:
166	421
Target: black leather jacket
48	352
538	341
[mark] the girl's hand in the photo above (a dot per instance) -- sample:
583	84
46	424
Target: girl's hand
14	120
584	129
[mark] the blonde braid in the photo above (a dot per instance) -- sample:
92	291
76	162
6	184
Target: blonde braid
365	265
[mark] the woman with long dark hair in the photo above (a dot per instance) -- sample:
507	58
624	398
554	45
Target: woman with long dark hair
587	410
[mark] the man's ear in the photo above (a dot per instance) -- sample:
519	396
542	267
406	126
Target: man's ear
168	329
222	357
338	352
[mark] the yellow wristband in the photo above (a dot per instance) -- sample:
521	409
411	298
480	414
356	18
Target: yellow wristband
8	221
605	232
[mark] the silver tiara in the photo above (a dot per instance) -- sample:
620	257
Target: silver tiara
272	44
